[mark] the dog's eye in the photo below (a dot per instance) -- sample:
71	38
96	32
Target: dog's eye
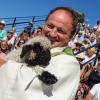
37	47
25	49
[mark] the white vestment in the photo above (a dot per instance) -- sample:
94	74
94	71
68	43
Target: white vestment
19	82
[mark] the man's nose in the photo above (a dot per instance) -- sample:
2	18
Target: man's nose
53	33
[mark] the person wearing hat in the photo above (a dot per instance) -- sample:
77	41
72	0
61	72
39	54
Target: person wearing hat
28	29
91	53
3	32
78	46
80	36
86	43
80	57
10	38
93	39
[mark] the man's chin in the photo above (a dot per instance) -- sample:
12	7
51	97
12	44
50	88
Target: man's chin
58	44
55	44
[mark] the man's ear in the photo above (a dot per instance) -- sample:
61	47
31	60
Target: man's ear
25	49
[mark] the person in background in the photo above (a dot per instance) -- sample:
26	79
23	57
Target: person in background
94	93
79	36
23	38
4	47
3	32
71	43
93	39
11	38
80	57
86	43
38	32
91	53
28	29
59	28
96	28
78	46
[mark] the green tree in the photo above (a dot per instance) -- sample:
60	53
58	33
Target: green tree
80	17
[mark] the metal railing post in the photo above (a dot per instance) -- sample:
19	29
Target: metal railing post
14	23
97	54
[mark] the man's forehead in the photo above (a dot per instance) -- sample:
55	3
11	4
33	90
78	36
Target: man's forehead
62	12
62	16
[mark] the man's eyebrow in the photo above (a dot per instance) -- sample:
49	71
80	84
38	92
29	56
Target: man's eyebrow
49	23
62	29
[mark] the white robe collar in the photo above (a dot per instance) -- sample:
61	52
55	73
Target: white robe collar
57	49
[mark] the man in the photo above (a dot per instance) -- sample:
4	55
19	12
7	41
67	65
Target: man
59	28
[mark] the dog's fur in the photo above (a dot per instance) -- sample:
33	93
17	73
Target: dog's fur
35	52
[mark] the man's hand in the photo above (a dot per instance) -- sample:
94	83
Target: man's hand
89	96
3	59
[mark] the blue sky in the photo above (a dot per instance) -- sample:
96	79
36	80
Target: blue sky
22	8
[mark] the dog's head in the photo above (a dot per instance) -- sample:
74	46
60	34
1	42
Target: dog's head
36	52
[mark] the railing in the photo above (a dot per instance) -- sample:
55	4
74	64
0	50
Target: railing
21	22
94	58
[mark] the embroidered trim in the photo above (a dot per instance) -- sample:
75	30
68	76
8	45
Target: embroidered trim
38	70
67	51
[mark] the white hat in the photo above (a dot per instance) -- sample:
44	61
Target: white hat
95	27
2	22
80	55
82	32
79	42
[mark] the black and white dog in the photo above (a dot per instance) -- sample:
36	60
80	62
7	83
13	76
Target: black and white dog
36	53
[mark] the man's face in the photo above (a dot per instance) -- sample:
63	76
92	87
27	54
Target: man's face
9	34
58	28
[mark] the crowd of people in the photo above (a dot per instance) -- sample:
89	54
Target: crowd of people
83	38
9	40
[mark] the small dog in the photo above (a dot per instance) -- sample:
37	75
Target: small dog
36	53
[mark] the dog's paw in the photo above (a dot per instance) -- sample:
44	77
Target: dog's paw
48	78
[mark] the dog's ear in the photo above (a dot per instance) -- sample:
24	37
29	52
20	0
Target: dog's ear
25	49
43	55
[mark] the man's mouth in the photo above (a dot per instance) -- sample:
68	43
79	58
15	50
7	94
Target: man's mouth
53	40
